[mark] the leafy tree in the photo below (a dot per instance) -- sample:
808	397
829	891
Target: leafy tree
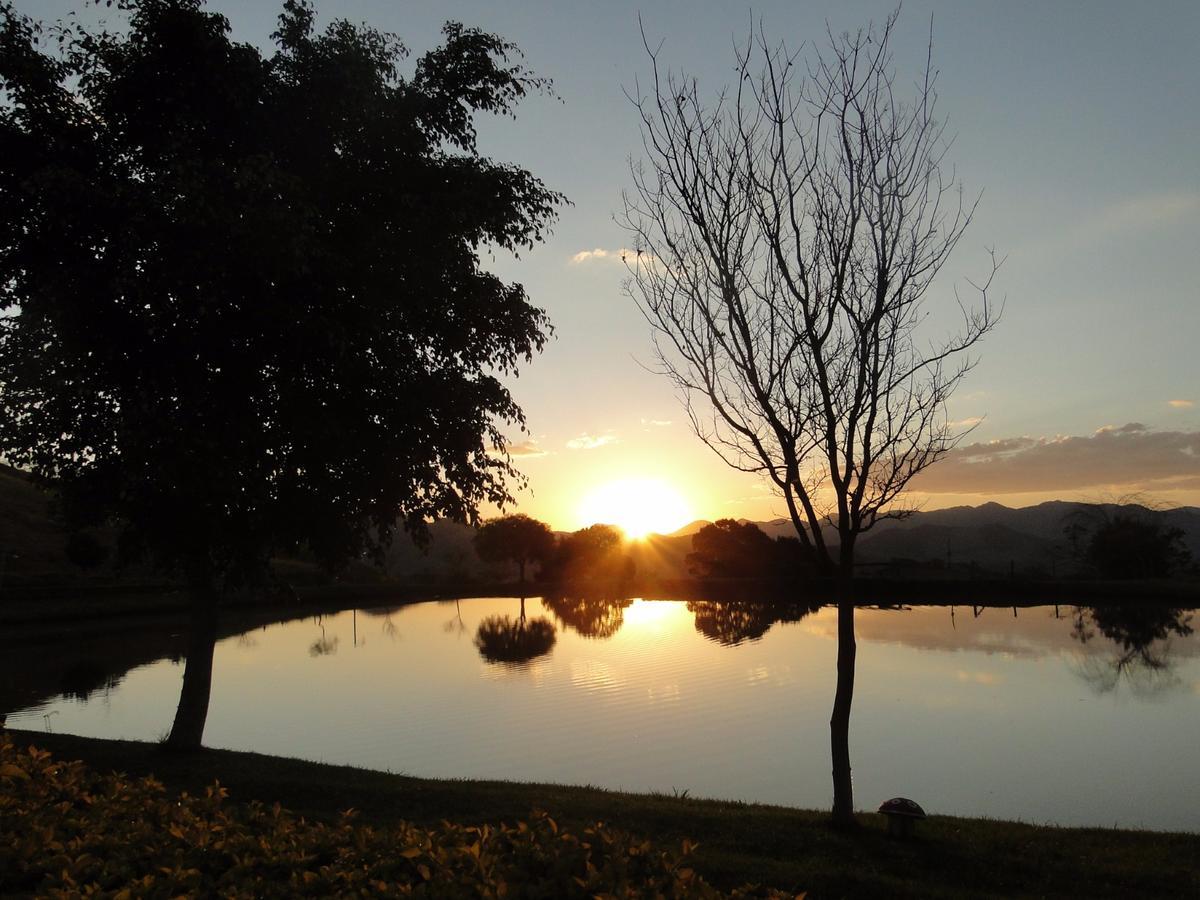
244	304
591	553
785	235
516	538
1132	546
742	549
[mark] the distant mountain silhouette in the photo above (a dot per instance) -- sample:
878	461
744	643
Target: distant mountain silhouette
991	537
988	538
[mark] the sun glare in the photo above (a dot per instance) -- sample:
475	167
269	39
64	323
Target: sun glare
636	506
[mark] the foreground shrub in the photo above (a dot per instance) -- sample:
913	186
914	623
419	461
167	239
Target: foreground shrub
66	831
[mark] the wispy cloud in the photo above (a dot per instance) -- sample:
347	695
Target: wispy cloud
527	449
656	423
1181	404
634	259
587	441
524	450
1130	456
599	254
969	422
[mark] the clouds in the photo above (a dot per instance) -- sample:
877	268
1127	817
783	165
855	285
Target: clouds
526	450
529	449
599	254
1131	456
635	260
587	441
1181	404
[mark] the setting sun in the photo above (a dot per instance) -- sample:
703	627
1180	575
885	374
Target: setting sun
637	506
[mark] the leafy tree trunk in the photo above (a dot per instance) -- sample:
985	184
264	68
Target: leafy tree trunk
521	563
839	722
192	712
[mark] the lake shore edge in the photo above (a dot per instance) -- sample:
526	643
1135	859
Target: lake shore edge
791	849
72	604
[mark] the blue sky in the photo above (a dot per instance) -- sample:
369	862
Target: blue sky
1079	121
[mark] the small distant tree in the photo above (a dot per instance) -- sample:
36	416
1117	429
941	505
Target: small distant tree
742	549
592	552
516	538
1126	541
729	548
1133	546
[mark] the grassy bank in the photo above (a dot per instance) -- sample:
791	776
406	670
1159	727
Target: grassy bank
786	848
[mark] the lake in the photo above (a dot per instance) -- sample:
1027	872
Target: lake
1043	714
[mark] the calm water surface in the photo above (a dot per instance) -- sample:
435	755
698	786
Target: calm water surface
971	712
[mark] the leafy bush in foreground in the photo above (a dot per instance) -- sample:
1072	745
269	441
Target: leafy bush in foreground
66	831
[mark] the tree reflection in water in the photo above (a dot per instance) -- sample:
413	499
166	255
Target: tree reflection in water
514	642
595	617
732	622
324	645
1141	646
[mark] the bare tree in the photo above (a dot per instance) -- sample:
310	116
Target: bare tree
785	236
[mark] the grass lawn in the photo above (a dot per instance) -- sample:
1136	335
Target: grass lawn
785	848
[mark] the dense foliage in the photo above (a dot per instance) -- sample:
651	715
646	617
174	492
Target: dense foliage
516	538
66	831
243	307
1126	542
727	548
595	552
1131	547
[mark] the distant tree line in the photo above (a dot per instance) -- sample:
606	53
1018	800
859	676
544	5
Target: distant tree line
1128	543
597	551
721	549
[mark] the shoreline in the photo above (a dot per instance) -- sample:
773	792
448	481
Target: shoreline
67	605
792	849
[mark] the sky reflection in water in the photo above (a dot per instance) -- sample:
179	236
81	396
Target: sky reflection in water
969	714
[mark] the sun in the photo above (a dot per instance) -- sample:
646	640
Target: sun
638	506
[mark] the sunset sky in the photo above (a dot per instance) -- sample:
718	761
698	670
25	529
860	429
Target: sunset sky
1079	121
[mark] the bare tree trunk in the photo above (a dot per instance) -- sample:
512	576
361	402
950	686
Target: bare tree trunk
839	722
192	712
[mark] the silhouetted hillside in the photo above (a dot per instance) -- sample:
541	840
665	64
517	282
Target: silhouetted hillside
992	537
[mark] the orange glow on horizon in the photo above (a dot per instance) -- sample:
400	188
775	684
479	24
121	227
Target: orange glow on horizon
638	506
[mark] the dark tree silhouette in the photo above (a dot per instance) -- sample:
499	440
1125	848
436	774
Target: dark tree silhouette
244	308
1141	634
591	553
516	538
514	642
742	549
1132	546
784	238
732	622
591	616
